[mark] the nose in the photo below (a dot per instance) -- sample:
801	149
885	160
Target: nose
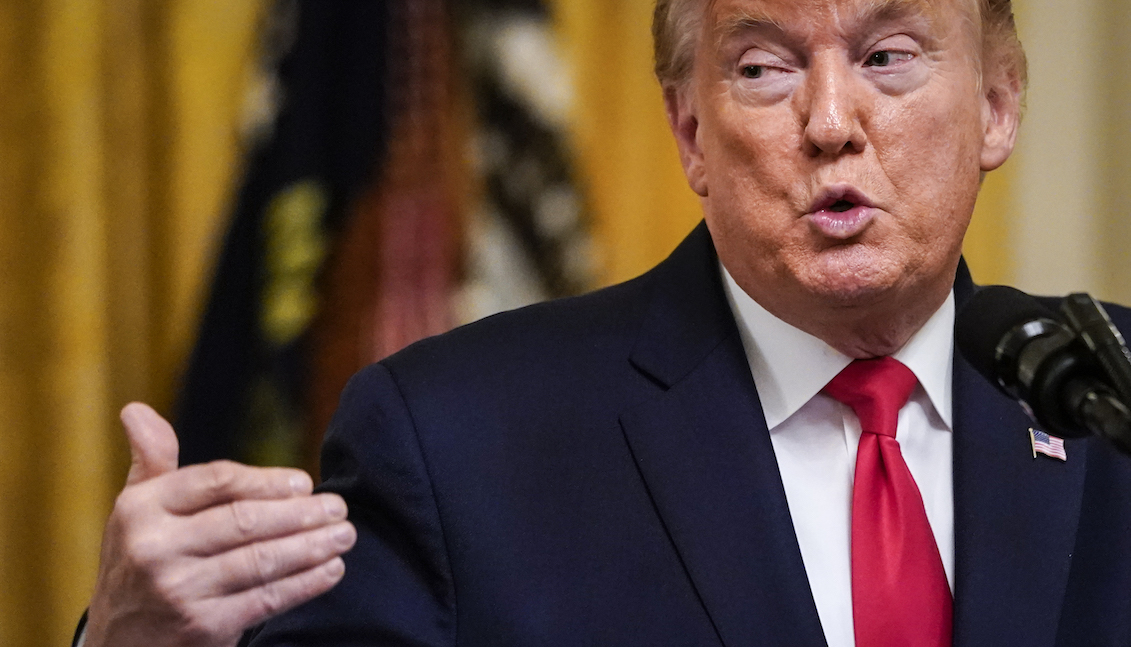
831	111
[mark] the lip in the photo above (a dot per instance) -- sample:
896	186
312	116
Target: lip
841	225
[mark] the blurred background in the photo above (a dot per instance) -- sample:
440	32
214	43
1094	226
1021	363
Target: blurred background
225	207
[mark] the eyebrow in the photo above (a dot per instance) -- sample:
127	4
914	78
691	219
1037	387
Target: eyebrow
744	20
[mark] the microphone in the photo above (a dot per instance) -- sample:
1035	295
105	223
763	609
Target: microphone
1071	373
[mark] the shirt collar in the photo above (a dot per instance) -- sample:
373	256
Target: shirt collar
791	366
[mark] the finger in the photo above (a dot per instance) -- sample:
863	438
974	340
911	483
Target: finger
222	528
194	488
259	564
251	607
153	444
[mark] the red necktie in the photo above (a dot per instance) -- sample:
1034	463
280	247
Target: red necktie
900	597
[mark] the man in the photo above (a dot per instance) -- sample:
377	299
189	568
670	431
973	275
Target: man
604	470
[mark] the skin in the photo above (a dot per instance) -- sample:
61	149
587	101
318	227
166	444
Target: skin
192	556
789	98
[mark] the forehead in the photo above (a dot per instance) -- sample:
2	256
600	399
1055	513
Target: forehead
724	17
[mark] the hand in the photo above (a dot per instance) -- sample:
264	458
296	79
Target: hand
193	556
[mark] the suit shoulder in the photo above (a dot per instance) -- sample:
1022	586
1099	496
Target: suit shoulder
1120	316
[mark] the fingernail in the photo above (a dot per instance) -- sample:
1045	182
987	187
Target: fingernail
344	535
335	567
334	506
128	414
300	483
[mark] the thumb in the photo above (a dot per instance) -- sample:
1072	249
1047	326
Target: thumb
153	444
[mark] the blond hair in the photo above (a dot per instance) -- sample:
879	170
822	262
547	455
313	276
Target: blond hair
676	25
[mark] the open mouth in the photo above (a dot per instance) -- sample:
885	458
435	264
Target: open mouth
841	212
840	199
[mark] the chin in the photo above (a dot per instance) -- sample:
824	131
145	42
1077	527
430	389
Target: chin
845	294
848	278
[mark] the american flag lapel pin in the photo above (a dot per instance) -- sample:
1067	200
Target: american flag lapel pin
1043	443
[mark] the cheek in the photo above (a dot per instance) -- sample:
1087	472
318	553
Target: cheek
755	170
936	177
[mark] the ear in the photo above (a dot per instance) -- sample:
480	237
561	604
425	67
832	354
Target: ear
1001	116
683	119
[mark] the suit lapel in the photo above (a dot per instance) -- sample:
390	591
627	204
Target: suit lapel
704	451
1015	518
705	454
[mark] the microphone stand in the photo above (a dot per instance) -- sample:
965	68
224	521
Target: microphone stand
1101	412
1103	408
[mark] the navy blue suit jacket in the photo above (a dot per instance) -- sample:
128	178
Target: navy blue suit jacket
598	471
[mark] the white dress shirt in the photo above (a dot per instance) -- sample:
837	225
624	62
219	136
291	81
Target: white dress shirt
815	439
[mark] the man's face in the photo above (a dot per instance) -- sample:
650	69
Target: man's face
838	145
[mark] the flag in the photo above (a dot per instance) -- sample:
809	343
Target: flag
392	277
349	238
529	235
317	134
1047	445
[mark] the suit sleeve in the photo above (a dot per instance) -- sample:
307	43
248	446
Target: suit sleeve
397	589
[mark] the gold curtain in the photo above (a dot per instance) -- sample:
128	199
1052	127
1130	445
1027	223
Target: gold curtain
1114	145
626	156
987	246
642	204
118	142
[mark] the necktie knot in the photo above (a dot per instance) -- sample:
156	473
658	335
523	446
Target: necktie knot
875	389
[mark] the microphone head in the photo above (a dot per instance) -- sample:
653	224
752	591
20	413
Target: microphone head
987	319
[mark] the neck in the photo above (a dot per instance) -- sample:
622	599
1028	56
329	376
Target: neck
875	329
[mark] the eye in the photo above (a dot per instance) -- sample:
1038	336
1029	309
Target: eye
879	59
885	58
753	71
